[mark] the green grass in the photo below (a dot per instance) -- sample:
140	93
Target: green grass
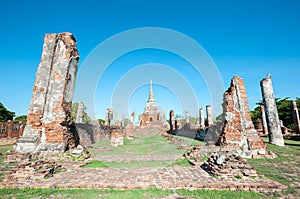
284	169
190	141
139	146
3	150
137	164
111	193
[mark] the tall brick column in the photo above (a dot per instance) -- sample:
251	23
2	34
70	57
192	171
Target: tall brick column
49	115
264	119
296	116
79	115
209	115
187	118
10	126
275	134
201	118
172	121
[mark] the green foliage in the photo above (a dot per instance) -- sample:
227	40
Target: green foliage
284	107
102	121
126	121
22	118
285	110
5	114
219	118
238	176
256	113
85	118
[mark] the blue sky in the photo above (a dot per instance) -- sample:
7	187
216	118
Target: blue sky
245	38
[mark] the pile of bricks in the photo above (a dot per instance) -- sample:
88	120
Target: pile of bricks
228	165
26	173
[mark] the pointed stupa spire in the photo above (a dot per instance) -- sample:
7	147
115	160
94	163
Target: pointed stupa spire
151	94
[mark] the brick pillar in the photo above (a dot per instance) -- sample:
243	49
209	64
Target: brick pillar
49	114
172	121
264	119
10	126
209	115
187	118
122	121
275	134
106	116
132	117
201	118
296	117
79	114
21	128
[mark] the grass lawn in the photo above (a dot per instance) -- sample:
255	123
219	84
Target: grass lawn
138	146
3	167
137	164
137	193
284	169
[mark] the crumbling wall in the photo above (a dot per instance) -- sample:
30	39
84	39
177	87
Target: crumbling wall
49	114
91	133
239	131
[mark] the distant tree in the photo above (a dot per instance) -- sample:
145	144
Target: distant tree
85	118
219	118
284	108
193	120
256	113
19	118
102	121
178	117
126	121
5	114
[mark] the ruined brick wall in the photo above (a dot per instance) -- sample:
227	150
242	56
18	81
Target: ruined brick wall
49	114
117	137
11	129
91	133
239	131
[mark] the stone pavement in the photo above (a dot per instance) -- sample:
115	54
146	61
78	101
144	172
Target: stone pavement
128	158
162	177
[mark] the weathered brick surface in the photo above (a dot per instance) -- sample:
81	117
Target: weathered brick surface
117	137
26	173
273	123
239	131
228	165
142	178
49	114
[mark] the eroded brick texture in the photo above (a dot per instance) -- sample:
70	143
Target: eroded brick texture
116	137
49	114
239	131
273	123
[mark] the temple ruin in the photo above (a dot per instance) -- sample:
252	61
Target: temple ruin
49	115
239	132
151	117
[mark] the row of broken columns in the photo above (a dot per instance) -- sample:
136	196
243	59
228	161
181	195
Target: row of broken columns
270	118
202	123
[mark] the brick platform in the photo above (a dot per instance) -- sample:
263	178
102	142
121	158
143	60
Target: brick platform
162	177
